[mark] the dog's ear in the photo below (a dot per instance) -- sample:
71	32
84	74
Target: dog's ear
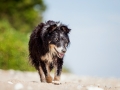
52	28
65	29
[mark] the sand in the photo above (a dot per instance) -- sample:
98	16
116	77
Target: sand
18	80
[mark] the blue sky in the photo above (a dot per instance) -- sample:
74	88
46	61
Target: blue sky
95	35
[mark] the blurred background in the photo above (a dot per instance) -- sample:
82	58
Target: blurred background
95	35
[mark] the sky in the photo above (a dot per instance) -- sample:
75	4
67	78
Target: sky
95	35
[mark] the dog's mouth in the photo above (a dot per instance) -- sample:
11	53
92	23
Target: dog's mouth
60	55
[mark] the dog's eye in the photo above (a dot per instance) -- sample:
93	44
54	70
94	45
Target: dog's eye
56	39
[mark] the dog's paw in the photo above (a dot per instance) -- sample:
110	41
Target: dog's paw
43	80
49	79
56	82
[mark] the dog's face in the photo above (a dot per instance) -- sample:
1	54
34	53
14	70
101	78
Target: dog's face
58	42
56	37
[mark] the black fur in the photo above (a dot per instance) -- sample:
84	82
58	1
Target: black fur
46	34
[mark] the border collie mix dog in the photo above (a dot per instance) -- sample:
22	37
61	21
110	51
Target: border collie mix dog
47	46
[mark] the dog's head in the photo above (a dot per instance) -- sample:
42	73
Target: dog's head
56	36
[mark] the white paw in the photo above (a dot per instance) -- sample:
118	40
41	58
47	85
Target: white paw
56	82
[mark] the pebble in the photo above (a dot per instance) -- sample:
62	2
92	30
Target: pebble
10	82
79	87
18	86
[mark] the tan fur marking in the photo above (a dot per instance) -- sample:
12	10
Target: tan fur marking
56	78
42	76
48	77
49	56
52	48
48	69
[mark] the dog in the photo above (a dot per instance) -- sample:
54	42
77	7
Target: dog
47	46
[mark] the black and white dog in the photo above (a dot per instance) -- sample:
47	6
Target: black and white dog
47	46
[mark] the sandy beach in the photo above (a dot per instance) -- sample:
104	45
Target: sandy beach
18	80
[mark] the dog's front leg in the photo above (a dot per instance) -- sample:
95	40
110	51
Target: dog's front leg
58	70
47	75
46	70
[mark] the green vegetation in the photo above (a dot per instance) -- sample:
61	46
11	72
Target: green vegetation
23	15
17	19
13	48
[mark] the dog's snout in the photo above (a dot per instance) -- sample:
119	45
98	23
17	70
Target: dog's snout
63	50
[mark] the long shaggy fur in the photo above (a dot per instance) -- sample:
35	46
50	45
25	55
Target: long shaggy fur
45	50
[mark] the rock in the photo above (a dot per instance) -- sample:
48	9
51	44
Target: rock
18	86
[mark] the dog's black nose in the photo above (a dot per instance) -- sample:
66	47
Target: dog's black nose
63	50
